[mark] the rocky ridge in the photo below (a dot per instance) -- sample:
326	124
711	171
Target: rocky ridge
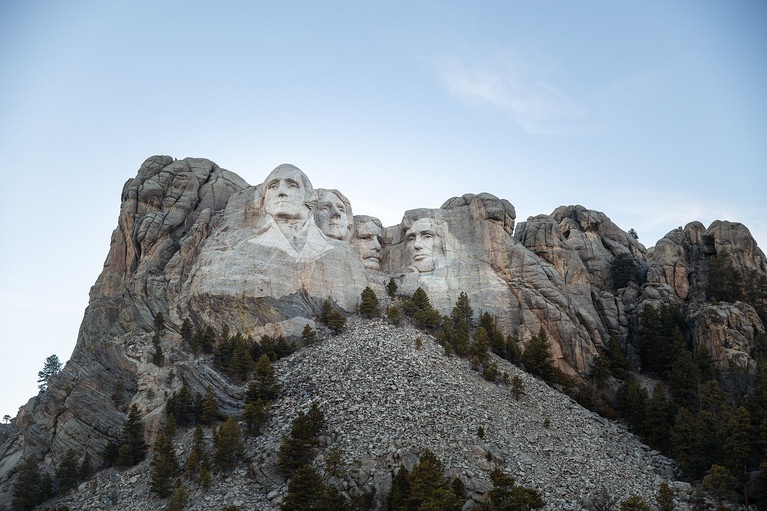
385	401
193	241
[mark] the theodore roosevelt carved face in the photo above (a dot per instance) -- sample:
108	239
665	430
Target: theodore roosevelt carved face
420	245
332	215
368	239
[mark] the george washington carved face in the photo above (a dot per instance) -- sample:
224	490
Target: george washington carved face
286	190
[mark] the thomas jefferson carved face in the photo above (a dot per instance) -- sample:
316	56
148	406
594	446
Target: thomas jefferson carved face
368	238
332	216
285	194
420	245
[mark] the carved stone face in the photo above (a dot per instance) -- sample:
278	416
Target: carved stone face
285	193
368	238
332	217
420	245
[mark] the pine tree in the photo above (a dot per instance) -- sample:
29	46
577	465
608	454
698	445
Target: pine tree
683	381
462	310
255	415
394	314
429	488
240	365
481	345
198	453
326	310
391	288
634	503
158	358
507	496
164	467
228	443
159	322
517	387
178	500
684	439
334	462
658	420
296	447
623	270
187	331
719	483
281	347
307	492
208	340
617	358
133	447
664	499
171	427
513	353
52	367
264	385
205	477
68	473
336	321
304	490
760	486
181	406
308	334
27	491
537	357
400	491
210	413
738	446
725	283
369	303
86	467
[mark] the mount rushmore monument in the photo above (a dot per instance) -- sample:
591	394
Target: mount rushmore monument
197	242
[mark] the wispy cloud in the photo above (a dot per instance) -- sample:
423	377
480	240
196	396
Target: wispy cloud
525	92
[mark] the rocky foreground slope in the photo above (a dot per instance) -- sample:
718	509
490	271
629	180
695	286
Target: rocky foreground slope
385	400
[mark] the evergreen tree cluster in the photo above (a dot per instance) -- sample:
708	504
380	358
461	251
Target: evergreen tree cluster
623	270
298	445
419	309
189	411
507	496
234	355
715	430
727	284
307	491
426	487
33	487
132	448
332	317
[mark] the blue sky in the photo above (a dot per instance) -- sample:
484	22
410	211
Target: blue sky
653	112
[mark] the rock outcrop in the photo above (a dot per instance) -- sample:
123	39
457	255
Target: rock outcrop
196	241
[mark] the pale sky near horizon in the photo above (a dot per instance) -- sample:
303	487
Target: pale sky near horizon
653	112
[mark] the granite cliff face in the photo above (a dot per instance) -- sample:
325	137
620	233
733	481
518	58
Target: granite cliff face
195	241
